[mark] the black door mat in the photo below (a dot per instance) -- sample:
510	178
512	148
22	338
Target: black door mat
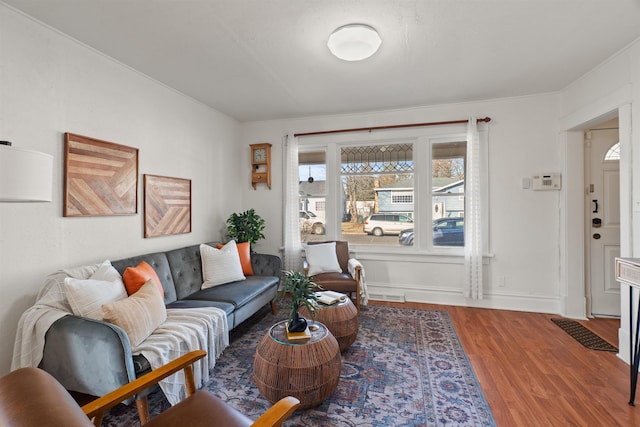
583	335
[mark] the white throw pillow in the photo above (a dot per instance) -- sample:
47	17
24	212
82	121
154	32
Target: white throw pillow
220	266
106	271
322	258
86	296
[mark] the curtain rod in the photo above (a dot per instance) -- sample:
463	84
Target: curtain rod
409	125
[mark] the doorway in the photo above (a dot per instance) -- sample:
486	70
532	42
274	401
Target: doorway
574	292
602	219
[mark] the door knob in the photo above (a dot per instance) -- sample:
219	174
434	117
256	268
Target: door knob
596	236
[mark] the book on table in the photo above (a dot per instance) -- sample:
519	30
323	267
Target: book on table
330	297
299	336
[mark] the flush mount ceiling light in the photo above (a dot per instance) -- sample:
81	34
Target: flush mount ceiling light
354	42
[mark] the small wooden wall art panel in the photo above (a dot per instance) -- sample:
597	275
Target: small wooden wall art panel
167	205
100	177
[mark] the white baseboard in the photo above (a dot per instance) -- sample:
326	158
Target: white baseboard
445	296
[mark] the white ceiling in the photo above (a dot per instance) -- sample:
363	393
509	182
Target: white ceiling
266	59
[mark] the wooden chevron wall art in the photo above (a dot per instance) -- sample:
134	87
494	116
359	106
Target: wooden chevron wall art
167	205
100	177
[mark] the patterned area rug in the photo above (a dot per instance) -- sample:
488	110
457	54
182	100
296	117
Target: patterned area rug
406	368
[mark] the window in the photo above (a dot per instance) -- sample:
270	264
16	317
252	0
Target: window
377	183
402	197
447	192
312	177
613	153
404	193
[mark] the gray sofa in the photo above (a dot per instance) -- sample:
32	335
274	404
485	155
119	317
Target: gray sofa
94	357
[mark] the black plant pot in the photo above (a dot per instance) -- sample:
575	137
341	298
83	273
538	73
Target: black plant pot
297	324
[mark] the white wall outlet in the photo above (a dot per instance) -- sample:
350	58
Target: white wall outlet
526	183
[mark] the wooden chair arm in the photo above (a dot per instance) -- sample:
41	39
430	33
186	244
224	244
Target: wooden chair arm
98	407
278	413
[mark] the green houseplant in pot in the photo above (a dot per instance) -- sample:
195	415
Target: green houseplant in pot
302	291
245	227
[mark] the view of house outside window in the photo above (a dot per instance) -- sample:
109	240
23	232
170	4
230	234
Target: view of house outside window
377	184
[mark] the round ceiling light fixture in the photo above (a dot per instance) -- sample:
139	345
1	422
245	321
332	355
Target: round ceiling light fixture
354	42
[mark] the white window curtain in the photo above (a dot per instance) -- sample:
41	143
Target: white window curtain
292	243
473	215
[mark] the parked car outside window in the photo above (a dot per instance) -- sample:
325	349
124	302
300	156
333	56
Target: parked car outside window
406	237
380	224
446	232
311	223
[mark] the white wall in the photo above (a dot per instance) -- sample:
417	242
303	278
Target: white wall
611	88
49	85
524	225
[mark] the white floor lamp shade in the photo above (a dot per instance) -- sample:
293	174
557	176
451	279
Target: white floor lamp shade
25	175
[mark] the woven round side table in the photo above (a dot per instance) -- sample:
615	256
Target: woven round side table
341	318
309	370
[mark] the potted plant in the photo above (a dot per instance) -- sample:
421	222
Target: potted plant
245	227
302	291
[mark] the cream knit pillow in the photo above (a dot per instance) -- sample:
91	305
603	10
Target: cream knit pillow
139	315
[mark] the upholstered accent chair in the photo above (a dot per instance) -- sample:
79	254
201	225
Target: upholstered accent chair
340	280
31	397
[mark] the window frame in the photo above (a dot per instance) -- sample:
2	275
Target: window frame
322	152
425	233
422	140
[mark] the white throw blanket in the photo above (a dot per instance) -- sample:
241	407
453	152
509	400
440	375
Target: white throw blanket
51	304
364	293
183	331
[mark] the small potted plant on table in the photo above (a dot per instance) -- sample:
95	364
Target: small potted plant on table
302	291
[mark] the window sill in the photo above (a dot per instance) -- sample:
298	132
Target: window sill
454	256
407	254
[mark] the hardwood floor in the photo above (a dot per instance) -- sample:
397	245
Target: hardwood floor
532	373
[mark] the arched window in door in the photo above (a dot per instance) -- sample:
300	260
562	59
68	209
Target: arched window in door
613	153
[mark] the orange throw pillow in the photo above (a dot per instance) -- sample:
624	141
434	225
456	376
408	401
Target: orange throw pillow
135	277
244	250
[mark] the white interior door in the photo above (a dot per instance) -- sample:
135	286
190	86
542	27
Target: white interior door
603	224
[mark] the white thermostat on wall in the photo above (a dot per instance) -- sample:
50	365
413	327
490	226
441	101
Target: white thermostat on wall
548	181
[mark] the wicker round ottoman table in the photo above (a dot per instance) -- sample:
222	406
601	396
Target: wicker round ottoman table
341	318
308	370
